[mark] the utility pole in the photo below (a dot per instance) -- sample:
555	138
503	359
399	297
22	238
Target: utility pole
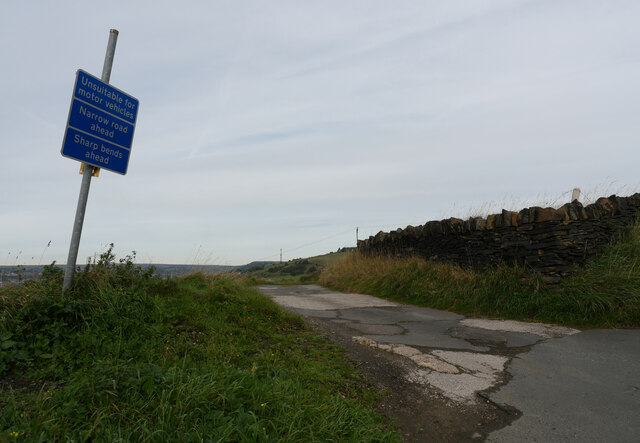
356	237
87	172
575	195
280	255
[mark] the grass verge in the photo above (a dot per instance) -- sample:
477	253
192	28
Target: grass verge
128	357
606	293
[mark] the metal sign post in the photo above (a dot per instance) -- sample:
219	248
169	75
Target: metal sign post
86	178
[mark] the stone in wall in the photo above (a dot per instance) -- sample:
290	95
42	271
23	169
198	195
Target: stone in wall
547	240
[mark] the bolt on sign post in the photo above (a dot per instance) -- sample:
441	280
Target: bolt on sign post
99	134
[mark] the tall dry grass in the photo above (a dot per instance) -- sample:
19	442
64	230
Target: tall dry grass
605	293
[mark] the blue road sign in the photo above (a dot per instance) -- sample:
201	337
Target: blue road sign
101	124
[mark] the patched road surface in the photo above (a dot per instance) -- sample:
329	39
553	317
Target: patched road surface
519	381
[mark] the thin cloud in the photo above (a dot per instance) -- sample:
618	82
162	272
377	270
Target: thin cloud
267	126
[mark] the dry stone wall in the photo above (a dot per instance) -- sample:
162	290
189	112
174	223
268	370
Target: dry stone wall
551	241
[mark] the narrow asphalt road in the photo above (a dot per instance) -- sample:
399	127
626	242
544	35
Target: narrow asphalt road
558	384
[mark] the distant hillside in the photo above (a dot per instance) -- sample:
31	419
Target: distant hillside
13	274
299	270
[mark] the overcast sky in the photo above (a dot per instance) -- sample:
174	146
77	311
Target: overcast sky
287	124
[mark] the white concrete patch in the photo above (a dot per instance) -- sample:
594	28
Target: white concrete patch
427	361
330	301
460	388
459	375
540	329
477	363
365	341
403	350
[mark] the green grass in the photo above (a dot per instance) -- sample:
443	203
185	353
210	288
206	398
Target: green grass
124	356
297	271
606	293
327	260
